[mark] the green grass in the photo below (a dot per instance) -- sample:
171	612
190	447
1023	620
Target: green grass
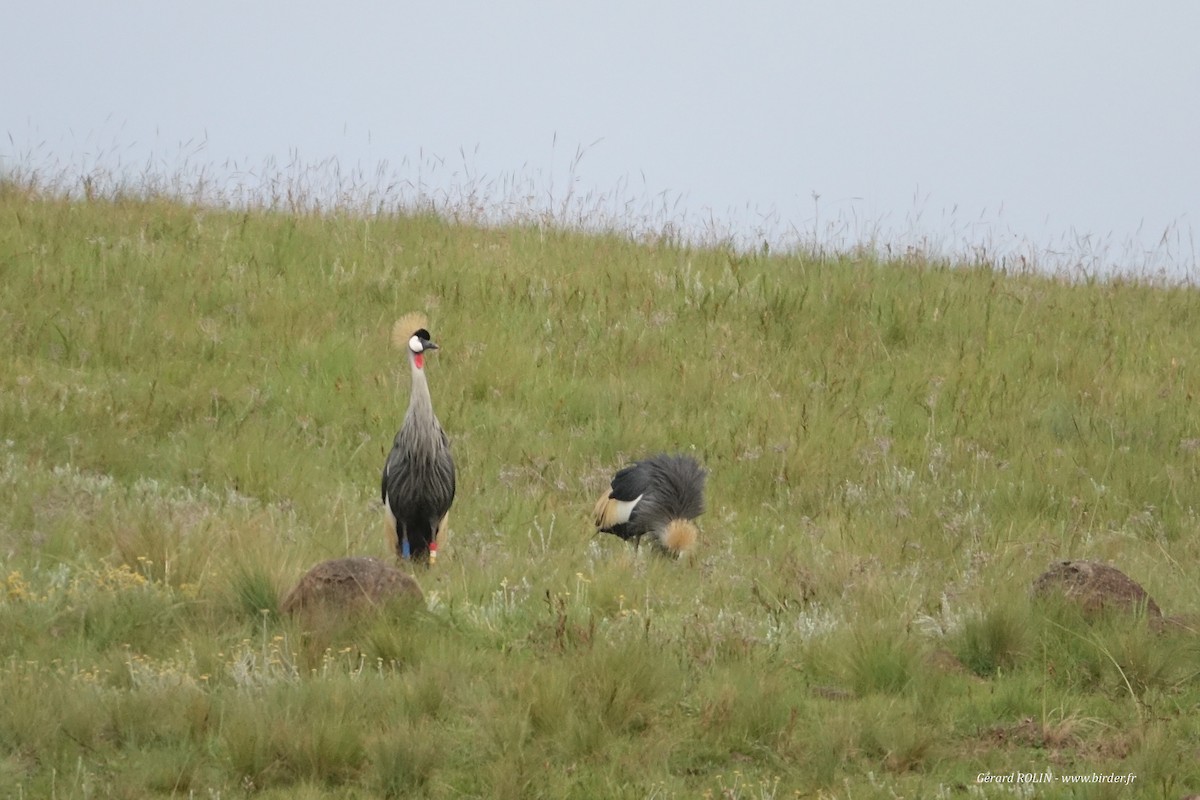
195	404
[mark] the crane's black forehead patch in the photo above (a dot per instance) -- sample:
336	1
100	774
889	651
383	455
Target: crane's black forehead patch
421	333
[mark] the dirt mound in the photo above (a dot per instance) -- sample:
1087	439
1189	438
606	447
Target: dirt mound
349	584
1096	587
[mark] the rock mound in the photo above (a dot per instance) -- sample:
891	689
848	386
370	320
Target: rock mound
350	585
1097	588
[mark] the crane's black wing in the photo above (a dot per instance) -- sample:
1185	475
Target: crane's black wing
630	483
617	510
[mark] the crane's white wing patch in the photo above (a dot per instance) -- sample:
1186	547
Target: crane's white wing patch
619	511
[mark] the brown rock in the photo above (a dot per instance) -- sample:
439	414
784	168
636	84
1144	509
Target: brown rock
349	585
1096	587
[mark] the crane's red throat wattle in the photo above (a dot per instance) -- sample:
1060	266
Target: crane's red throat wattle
419	360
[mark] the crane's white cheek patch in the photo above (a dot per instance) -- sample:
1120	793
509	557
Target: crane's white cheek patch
414	344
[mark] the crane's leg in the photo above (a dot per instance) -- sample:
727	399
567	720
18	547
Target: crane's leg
396	532
401	542
420	553
437	532
420	535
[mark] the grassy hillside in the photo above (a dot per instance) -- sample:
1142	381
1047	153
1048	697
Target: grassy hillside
195	405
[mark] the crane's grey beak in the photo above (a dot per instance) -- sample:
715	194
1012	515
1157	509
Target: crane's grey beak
427	345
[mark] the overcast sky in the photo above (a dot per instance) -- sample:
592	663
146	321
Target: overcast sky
1029	122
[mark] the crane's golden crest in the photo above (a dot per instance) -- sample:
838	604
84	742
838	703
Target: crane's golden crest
604	512
406	326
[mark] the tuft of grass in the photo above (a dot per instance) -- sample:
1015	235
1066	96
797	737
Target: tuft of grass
881	662
255	592
993	641
406	760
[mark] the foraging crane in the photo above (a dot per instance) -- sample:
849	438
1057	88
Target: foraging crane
418	477
660	496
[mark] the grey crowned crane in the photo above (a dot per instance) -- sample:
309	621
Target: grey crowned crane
659	496
418	477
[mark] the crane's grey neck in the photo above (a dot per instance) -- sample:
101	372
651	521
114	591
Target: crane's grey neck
419	417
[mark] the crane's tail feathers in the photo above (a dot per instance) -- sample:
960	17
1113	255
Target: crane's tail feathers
680	480
406	326
678	537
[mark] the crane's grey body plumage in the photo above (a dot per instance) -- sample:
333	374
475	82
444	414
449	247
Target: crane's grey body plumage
646	497
418	480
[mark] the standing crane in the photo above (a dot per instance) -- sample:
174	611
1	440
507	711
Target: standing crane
659	496
418	477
